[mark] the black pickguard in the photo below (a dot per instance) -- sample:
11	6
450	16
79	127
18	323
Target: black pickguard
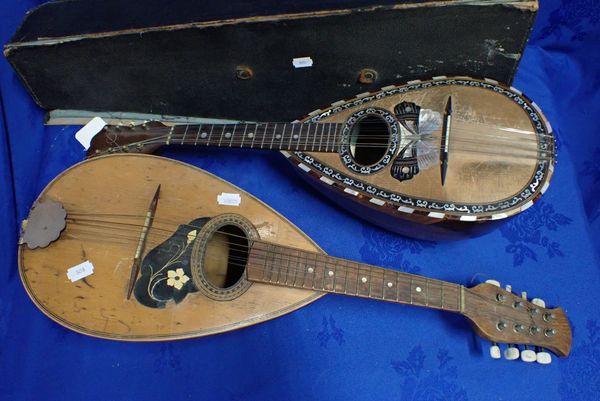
152	289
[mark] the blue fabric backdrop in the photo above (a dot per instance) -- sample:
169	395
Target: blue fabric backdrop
337	347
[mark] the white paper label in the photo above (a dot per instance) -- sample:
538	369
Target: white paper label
302	62
229	199
80	271
89	131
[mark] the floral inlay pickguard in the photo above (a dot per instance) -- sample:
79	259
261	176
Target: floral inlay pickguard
165	271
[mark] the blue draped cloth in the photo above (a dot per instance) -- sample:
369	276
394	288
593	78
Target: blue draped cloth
337	347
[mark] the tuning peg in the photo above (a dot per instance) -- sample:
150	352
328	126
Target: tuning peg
493	282
511	353
542	356
495	351
528	355
508	287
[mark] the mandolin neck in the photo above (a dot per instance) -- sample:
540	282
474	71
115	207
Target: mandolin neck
317	137
290	267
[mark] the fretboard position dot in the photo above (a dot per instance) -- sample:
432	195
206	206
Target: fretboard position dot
295	136
250	135
390	284
311	270
228	135
203	135
330	273
364	279
418	289
278	136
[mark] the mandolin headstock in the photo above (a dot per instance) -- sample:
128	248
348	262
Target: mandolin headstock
133	138
501	316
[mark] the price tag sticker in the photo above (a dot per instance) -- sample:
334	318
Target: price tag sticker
228	199
80	271
302	62
89	131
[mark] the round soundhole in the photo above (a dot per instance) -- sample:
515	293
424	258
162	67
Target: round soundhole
220	255
369	140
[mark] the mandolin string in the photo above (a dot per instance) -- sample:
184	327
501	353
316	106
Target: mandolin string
373	272
525	152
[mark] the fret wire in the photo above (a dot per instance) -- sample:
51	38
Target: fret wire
334	276
321	137
265	263
184	133
397	286
232	134
383	286
262	142
281	142
296	269
333	146
442	296
212	127
299	136
411	290
291	136
328	136
307	136
253	135
244	136
427	292
345	280
314	139
197	134
273	136
305	271
221	137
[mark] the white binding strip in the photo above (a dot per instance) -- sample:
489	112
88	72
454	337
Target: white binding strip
549	126
499	216
377	201
286	154
405	209
361	95
512	88
436	215
551	168
326	180
416	81
304	167
317	111
439	77
338	103
536	107
387	88
492	81
468	218
350	191
527	205
545	187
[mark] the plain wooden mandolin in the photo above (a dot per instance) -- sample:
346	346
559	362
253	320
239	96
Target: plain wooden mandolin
168	251
449	152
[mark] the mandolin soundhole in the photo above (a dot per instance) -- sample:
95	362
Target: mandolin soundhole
218	260
225	257
369	140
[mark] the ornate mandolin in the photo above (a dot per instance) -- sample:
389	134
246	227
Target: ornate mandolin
138	259
447	152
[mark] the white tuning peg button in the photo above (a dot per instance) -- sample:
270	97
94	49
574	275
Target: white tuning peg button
508	287
493	282
528	355
544	358
538	302
511	353
495	351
